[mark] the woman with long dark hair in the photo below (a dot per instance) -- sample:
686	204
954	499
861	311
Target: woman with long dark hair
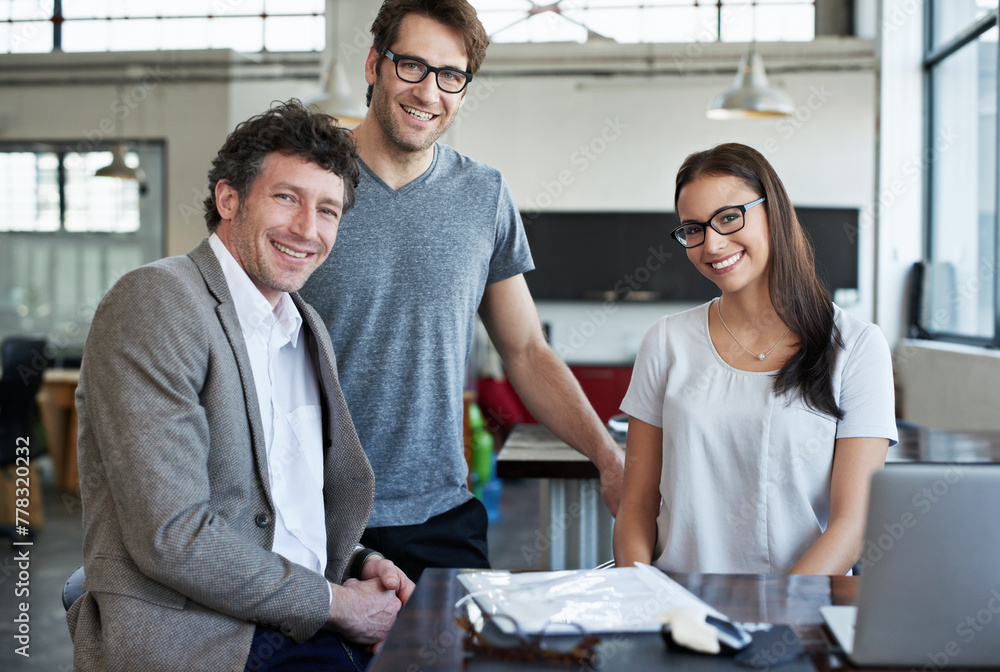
755	420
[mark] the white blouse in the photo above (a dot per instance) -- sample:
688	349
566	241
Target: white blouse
746	474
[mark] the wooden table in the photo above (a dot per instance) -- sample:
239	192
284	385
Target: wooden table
426	639
57	403
576	527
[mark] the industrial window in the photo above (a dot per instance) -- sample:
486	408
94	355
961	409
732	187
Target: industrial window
66	235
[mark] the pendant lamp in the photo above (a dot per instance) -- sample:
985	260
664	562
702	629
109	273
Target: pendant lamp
750	97
118	168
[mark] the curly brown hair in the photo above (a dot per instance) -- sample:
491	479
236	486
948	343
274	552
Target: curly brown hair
288	128
457	14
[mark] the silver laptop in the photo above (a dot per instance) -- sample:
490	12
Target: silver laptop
929	591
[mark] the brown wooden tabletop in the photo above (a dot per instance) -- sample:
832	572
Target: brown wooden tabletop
532	451
426	639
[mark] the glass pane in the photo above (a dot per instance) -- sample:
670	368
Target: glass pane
240	7
494	22
784	23
186	8
621	25
294	6
544	27
736	23
184	33
30	36
962	156
86	9
238	34
680	24
100	203
294	33
31	10
519	6
26	192
140	8
134	35
86	36
950	17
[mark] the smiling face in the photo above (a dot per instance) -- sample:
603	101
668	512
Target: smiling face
739	260
287	225
413	116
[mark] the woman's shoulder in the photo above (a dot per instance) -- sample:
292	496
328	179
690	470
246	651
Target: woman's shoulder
688	317
855	330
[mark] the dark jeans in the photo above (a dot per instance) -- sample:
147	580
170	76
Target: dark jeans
325	651
455	538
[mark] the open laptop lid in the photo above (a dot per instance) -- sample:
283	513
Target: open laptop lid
929	592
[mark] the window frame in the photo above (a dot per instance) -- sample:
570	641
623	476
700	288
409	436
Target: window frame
932	58
116	252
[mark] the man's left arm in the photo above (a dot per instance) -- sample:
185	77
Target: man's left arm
545	384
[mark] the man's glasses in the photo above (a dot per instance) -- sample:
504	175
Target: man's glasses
726	221
413	70
500	636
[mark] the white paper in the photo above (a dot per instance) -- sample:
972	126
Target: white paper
621	599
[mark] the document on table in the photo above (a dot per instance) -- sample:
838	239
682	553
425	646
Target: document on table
621	599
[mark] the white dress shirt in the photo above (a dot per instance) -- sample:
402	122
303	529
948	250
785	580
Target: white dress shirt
289	399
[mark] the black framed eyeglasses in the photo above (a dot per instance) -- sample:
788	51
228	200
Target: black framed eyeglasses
413	70
726	221
500	636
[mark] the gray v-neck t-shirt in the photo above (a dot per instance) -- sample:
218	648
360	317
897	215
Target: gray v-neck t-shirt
399	294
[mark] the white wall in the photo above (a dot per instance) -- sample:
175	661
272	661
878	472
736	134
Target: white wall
191	118
948	386
564	142
598	143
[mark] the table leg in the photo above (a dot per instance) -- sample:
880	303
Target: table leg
575	522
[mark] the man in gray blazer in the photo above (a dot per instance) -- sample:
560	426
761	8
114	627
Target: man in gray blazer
224	488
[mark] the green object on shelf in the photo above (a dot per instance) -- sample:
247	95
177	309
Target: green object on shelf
482	451
476	420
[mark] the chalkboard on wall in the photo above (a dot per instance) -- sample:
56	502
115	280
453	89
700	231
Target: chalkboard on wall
600	256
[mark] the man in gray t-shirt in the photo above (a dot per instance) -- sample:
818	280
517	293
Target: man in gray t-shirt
433	238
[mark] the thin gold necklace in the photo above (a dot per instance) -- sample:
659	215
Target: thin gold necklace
718	308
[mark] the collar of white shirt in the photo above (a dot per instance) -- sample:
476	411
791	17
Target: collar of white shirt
252	308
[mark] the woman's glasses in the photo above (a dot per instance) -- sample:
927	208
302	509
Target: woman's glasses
729	219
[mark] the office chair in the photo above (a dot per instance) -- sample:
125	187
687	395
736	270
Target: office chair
73	588
24	361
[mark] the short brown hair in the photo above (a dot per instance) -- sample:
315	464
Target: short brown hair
457	14
288	128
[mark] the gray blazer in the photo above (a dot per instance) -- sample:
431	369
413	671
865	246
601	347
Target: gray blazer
177	510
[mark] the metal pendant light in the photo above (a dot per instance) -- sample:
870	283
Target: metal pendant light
750	97
118	168
334	97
